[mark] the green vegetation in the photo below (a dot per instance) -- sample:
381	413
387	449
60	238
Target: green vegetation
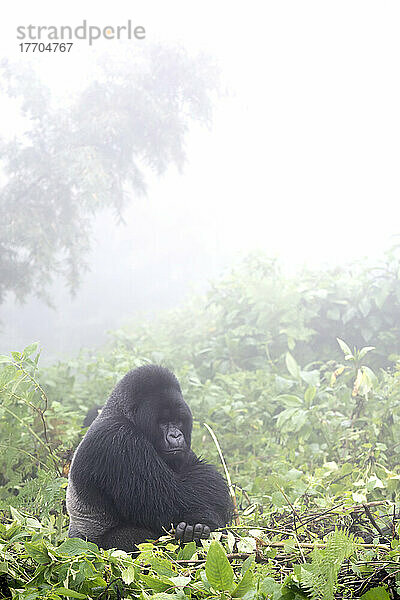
298	378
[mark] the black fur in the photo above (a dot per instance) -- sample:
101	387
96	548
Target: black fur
134	473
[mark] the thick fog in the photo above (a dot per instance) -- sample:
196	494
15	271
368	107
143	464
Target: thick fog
300	159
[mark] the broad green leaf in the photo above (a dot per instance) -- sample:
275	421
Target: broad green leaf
30	349
292	366
162	566
270	588
154	583
299	418
372	378
37	551
75	546
187	551
128	575
70	593
310	377
250	561
377	593
310	394
345	349
284	416
218	568
244	586
290	400
365	350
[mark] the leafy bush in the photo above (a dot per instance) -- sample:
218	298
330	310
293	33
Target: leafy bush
306	422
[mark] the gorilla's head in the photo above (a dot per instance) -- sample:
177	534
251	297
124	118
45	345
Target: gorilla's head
150	397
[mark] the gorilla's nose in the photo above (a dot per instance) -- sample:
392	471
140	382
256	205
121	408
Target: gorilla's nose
175	438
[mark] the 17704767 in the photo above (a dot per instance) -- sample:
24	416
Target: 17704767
42	47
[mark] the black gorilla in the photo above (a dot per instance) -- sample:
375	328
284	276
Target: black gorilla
134	474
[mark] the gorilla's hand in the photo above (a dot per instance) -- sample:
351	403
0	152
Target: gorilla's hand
188	533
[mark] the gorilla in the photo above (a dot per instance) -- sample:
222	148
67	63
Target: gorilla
134	474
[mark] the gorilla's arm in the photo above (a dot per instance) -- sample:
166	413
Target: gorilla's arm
214	506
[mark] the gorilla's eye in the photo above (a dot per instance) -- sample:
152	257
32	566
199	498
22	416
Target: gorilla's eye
165	424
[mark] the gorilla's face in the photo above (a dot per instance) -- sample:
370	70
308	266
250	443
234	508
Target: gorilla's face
174	433
166	421
172	446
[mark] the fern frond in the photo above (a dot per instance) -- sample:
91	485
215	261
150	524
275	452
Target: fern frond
319	578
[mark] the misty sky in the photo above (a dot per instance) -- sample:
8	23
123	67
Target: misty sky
302	159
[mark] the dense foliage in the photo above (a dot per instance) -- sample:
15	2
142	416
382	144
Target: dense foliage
296	375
